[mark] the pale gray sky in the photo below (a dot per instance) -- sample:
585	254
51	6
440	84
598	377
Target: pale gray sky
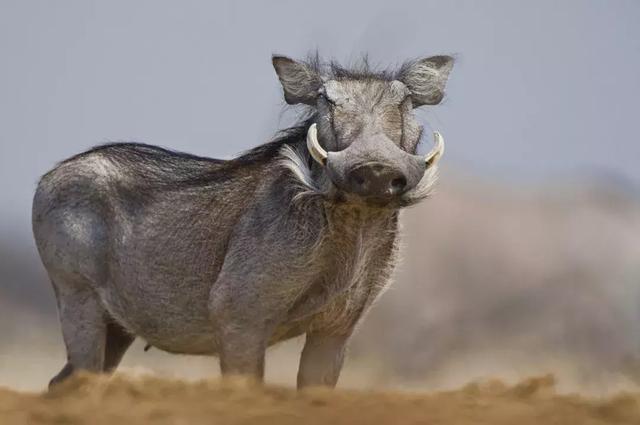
541	90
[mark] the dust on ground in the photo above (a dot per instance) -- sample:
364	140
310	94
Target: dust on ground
125	399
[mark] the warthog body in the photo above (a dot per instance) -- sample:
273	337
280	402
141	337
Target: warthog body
206	256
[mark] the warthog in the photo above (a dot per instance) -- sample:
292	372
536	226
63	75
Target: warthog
226	257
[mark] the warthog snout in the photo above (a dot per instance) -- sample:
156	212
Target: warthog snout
377	180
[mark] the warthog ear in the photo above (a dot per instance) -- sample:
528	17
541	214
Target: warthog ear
426	79
299	81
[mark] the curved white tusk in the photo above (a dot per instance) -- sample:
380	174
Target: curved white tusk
434	156
314	147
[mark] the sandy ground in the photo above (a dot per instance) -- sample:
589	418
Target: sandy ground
121	399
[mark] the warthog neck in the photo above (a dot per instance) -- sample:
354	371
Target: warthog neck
350	262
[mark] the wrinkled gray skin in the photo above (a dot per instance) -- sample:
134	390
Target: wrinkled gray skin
205	256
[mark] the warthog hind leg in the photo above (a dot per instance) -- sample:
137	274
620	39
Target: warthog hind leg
84	329
118	341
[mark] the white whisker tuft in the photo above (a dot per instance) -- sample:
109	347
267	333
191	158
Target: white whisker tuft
423	189
294	161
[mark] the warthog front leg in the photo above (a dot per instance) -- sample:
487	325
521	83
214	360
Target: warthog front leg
321	360
266	269
242	328
242	352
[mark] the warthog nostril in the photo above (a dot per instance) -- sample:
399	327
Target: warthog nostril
398	184
359	180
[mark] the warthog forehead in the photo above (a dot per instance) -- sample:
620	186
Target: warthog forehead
365	92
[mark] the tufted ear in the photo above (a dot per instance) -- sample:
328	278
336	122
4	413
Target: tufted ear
299	81
426	79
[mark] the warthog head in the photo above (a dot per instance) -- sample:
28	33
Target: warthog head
364	133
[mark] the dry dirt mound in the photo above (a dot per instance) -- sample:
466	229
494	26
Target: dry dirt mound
102	400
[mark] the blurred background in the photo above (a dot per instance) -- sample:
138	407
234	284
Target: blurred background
526	261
